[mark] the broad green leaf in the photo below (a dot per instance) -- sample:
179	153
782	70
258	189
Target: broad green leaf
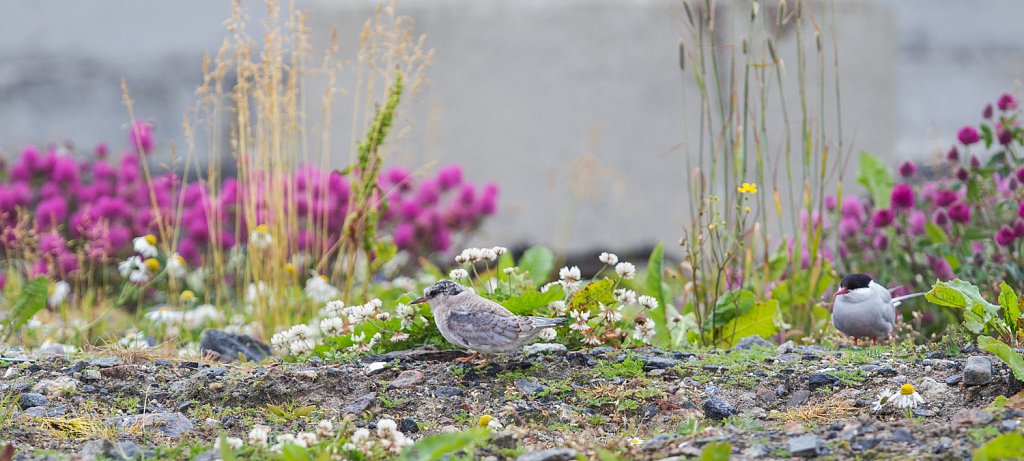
436	447
1010	304
957	293
1005	353
876	177
762	319
716	451
293	452
595	292
730	305
505	261
653	287
531	300
935	233
31	300
538	262
1007	446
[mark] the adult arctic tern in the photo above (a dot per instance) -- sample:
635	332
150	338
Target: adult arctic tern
865	309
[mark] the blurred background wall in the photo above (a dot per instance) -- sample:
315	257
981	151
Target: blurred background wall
576	108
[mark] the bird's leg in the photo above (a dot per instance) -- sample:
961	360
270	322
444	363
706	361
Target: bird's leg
854	341
874	341
468	359
484	361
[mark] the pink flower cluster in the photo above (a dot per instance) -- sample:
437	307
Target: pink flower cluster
67	211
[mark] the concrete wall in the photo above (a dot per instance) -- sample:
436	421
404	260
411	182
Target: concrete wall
577	108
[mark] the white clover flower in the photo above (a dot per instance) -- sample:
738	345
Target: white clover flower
608	258
281	341
332	309
358	314
260	237
256	291
383	316
361	435
907	397
570	287
405	311
386	427
233	442
325	429
558	308
510	270
499	250
547	334
333	326
319	289
306	438
625	270
258	435
176	266
489	254
301	346
591	339
581	318
376	303
648	302
458	274
462	258
399	337
301	331
570	274
134	269
59	292
884	398
285	439
547	286
644	330
146	246
625	296
609	314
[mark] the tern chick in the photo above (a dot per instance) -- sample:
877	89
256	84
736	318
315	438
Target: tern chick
479	324
865	309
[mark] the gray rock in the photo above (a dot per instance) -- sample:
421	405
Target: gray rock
529	387
97	449
167	424
31	399
446	392
659	441
358	405
554	454
953	380
717	408
817	380
805	446
886	371
652	362
128	450
504	440
91	375
408	426
902	435
407	379
978	371
545	348
106	362
785	348
229	346
751	342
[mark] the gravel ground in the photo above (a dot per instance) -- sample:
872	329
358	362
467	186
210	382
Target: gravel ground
767	402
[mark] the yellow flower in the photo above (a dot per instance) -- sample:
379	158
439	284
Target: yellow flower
907	389
747	188
187	296
151	239
152	264
485	420
746	209
289	268
262	228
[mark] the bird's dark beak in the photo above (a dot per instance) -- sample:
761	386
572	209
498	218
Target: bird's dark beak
841	291
419	300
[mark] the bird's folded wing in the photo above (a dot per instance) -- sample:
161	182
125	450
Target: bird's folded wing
481	327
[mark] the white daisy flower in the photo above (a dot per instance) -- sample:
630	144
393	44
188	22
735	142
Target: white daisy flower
648	302
146	246
319	289
884	398
164	315
608	258
625	270
260	237
59	292
907	397
176	266
134	269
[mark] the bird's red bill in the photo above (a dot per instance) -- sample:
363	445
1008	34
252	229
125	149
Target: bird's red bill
841	291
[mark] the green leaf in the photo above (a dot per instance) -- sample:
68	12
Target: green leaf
505	261
716	451
653	287
876	177
956	293
293	452
935	233
1010	304
762	320
31	300
538	262
531	300
226	453
435	447
1007	446
729	306
1005	353
595	292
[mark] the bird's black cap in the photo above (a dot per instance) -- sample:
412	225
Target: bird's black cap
446	287
855	281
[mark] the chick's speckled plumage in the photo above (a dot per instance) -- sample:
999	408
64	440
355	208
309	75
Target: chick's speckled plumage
479	324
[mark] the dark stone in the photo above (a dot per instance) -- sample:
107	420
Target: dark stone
97	449
193	365
805	446
106	362
163	363
529	387
419	354
650	411
214	372
658	442
31	399
358	405
781	390
715	368
652	362
977	371
408	426
228	421
817	380
862	444
446	392
229	346
936	355
753	341
554	454
717	408
33	368
887	371
128	450
79	366
868	368
504	440
798	398
953	380
602	350
902	435
581	358
924	413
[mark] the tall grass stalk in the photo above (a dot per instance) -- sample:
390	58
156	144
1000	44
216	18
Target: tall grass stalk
726	246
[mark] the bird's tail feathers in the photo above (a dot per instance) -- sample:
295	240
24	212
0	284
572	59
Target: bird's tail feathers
544	322
899	299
